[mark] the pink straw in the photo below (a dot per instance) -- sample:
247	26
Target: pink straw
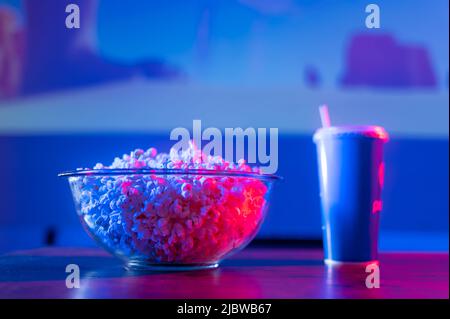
324	115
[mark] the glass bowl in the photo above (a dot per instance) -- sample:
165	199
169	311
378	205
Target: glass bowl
169	219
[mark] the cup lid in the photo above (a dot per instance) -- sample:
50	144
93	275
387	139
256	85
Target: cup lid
371	131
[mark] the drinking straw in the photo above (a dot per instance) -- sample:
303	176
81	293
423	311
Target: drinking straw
324	115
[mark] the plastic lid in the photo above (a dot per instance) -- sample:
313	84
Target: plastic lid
370	131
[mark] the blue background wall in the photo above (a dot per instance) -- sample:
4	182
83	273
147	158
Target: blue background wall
35	200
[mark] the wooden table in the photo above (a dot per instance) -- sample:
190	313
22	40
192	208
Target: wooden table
252	273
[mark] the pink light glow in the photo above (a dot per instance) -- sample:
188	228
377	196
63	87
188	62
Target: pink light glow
377	206
381	174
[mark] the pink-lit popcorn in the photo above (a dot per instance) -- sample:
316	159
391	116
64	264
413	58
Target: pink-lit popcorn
182	218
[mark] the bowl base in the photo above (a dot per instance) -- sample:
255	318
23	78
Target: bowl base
137	265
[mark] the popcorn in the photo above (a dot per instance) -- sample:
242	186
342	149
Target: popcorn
173	218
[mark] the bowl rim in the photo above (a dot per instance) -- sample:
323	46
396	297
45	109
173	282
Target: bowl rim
165	171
